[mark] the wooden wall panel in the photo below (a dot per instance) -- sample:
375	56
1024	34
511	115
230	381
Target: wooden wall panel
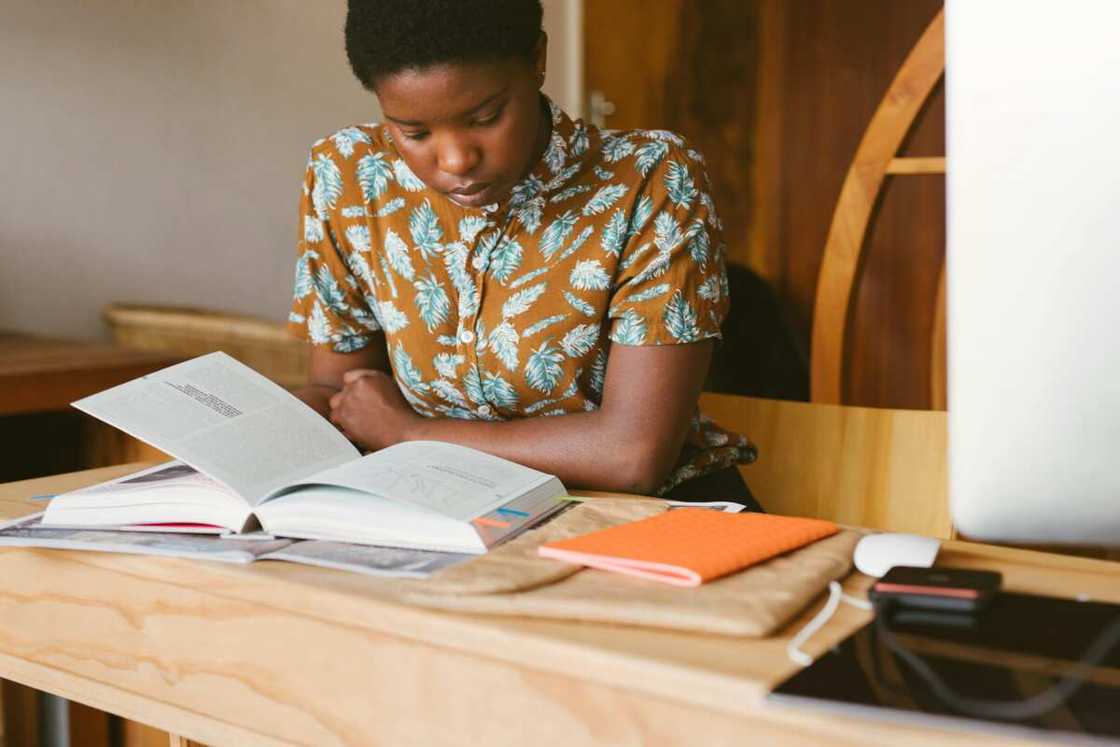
663	65
777	95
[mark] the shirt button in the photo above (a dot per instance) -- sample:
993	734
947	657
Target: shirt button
479	263
485	410
466	337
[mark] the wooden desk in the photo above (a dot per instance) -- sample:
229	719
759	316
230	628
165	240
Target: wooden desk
281	653
42	375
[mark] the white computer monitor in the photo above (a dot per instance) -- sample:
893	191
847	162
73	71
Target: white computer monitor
1033	145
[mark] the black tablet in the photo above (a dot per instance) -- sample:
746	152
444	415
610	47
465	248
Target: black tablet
1016	667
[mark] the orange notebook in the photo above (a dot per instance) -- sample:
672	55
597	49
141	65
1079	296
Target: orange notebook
688	546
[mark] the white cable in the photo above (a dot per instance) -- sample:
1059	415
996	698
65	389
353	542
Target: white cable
862	604
835	594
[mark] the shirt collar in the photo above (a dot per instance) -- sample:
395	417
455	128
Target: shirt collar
558	164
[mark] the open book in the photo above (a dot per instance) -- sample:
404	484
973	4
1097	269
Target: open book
249	453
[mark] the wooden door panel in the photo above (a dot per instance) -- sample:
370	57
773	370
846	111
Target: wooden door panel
777	95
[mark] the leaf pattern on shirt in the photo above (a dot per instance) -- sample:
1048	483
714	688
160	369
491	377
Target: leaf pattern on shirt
520	301
391	207
588	274
649	155
312	229
642	211
392	319
358	236
447	364
556	233
505	258
405	177
578	341
303	284
396	251
470	226
604	198
374	174
529	214
499	391
614	233
503	343
423	224
542	369
345	139
630	329
431	301
543	324
680	319
579	304
328	184
679	185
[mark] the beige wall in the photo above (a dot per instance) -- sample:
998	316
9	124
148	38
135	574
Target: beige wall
152	151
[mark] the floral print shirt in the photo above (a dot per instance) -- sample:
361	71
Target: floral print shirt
510	310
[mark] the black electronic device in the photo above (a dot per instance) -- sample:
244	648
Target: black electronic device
1028	665
948	589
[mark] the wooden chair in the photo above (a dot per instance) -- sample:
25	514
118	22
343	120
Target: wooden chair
872	467
878	468
876	158
263	345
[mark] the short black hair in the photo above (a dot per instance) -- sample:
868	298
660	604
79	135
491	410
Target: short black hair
387	36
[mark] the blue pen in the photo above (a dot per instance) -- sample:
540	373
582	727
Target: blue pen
43	497
512	512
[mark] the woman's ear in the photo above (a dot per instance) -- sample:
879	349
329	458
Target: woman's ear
540	57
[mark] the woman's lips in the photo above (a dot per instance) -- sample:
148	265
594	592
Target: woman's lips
470	189
473	195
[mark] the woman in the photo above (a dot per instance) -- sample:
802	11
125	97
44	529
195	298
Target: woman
480	262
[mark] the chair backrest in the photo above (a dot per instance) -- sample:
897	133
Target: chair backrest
263	345
871	467
876	158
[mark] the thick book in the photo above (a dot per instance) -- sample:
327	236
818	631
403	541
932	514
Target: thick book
251	455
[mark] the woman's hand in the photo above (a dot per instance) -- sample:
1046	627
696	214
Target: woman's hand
371	410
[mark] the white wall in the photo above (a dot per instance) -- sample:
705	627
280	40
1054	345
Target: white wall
563	21
152	151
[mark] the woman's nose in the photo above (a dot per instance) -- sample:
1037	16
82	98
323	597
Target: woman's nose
457	157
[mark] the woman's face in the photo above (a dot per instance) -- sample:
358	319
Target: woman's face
469	130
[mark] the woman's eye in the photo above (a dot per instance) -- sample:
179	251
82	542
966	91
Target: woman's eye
415	135
487	120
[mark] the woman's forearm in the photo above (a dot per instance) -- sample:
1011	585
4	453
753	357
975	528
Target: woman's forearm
317	397
586	450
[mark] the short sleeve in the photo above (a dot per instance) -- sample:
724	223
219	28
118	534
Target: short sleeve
671	284
328	305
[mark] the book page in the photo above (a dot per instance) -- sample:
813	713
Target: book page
368	559
455	481
172	492
226	420
330	512
29	532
